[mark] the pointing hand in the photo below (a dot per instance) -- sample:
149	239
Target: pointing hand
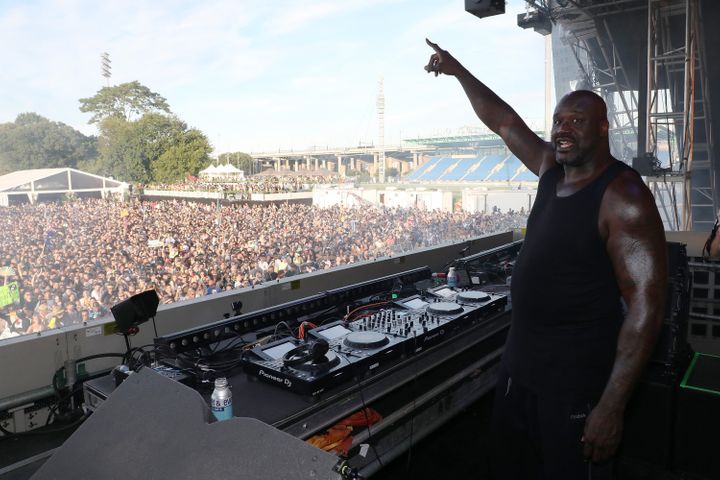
441	61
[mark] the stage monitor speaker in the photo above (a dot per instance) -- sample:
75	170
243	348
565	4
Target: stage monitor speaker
485	8
135	310
698	419
154	427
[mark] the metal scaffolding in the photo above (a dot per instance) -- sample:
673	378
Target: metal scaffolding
661	115
677	114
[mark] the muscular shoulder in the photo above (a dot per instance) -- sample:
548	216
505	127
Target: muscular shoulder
628	206
635	238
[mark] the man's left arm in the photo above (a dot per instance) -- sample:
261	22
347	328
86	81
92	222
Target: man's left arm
630	222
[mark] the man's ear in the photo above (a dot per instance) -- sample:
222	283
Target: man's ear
604	127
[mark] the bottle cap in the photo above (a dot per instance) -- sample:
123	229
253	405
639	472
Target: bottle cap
221	382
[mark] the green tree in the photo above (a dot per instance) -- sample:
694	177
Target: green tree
392	172
139	140
241	160
123	152
155	147
33	141
126	101
187	155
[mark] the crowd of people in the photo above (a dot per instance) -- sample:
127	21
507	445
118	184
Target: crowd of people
244	188
74	260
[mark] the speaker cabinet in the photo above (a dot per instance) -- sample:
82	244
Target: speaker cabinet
672	350
698	418
648	432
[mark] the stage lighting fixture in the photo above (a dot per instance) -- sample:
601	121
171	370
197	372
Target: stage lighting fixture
135	310
536	20
485	8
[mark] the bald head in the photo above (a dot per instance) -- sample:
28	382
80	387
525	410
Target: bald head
587	100
580	128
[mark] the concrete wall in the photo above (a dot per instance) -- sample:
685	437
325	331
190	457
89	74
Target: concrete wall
390	197
485	200
182	194
280	197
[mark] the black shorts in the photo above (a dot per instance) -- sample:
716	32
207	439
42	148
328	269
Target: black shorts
538	437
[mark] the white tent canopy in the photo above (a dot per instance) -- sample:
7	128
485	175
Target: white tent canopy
219	172
54	183
228	168
209	171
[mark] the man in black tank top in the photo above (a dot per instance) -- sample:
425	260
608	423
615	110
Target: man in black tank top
594	238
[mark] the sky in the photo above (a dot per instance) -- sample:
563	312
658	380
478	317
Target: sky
263	76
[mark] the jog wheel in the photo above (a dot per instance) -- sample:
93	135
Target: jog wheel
444	308
473	296
366	339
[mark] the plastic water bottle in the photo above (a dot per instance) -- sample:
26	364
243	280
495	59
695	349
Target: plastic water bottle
221	400
452	278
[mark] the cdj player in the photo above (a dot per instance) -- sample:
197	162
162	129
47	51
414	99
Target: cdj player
296	365
357	347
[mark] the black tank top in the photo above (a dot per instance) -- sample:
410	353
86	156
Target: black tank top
566	305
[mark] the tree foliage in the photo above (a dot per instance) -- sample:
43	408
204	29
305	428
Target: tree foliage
187	155
127	101
139	140
241	160
154	147
33	141
122	153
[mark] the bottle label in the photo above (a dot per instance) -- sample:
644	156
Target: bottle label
222	408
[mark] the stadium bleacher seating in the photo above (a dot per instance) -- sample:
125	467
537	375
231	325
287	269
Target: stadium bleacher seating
488	162
498	168
424	168
459	169
441	166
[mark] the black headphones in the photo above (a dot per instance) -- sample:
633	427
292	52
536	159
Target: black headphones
306	352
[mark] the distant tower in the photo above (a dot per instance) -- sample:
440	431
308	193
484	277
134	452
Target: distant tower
106	67
381	130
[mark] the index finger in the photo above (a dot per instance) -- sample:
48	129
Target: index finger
434	46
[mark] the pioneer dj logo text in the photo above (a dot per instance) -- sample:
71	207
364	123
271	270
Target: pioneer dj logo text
430	337
285	381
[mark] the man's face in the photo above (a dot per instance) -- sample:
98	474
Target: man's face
578	127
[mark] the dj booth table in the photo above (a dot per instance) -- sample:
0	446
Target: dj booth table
415	395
